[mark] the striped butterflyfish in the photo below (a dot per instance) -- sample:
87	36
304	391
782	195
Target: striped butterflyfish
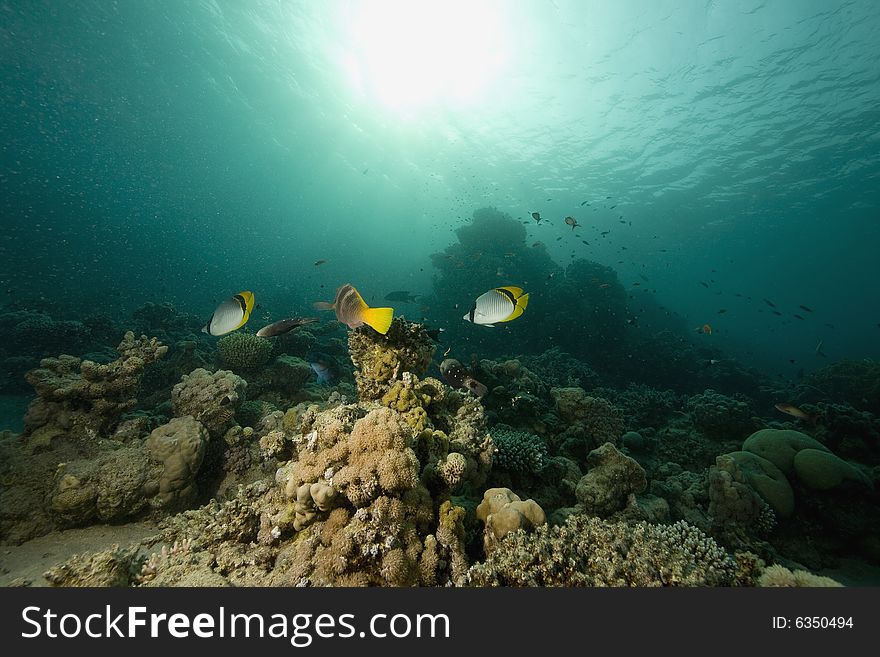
230	315
500	304
353	311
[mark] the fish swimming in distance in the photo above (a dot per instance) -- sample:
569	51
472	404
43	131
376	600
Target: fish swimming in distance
769	303
571	221
353	311
318	263
803	307
458	377
794	411
500	304
536	216
401	295
284	326
230	315
324	370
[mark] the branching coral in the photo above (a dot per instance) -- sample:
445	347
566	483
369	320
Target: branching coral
591	552
518	451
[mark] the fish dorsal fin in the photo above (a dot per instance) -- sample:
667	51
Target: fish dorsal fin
246	301
510	291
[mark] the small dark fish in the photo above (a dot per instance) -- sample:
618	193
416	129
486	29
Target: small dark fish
585	203
458	377
318	263
704	284
402	296
558	238
722	311
803	307
365	171
536	216
284	326
605	232
776	312
769	303
612	207
549	199
798	317
643	277
571	221
585	242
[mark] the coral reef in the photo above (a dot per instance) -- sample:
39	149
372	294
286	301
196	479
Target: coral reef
592	421
374	459
383	359
591	552
84	400
611	480
853	382
797	454
777	575
211	398
503	512
721	417
111	567
178	447
735	508
518	451
243	352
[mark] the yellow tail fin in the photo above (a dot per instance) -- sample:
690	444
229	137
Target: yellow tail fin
378	318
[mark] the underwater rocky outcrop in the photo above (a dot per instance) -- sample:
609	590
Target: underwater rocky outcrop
83	400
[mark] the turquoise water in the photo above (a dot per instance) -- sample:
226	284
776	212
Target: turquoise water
180	152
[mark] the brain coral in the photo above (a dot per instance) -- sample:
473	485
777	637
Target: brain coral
241	352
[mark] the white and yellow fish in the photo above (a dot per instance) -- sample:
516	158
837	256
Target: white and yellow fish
501	304
231	315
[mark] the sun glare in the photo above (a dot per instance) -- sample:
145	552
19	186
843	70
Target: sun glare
413	54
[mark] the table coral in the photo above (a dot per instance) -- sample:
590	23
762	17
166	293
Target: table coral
85	399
